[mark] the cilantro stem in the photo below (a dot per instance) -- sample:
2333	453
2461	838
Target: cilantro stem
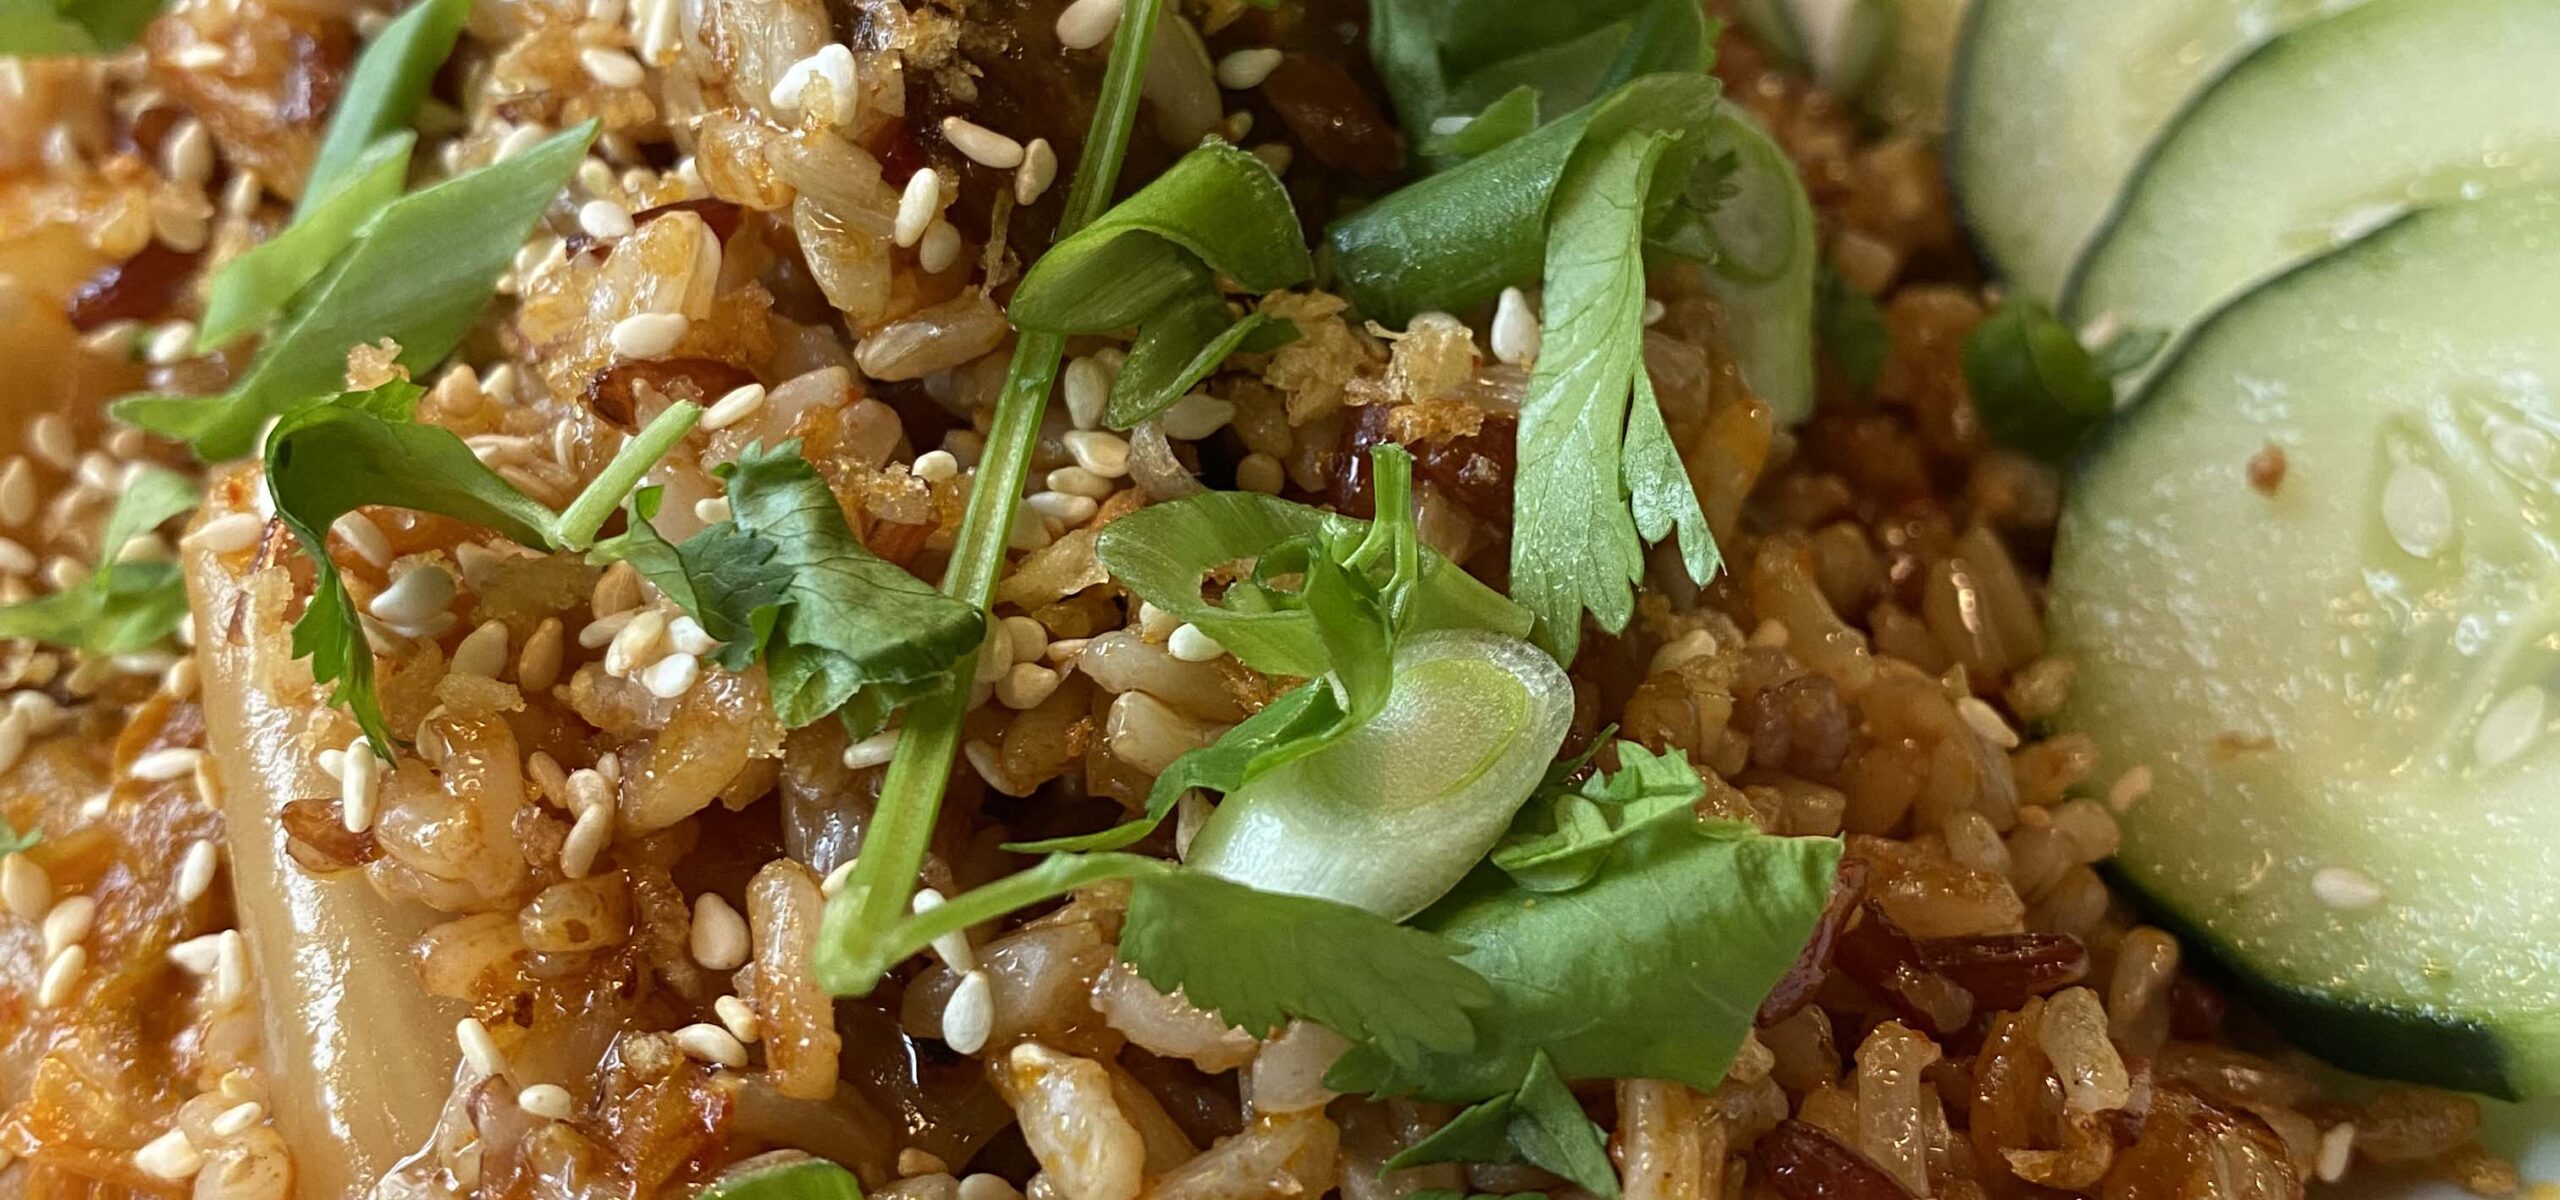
578	523
876	895
1053	876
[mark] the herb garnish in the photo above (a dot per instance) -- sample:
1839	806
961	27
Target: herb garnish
1850	330
1154	262
884	875
2036	389
124	605
41	28
791	1178
419	272
839	628
14	842
1565	833
1540	1123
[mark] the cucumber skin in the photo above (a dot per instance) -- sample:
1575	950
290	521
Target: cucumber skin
2389	1043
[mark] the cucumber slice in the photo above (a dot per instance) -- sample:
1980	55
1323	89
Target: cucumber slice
2347	692
2054	103
2315	138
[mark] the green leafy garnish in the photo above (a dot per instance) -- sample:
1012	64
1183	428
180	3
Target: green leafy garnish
1540	1123
361	448
1565	834
1652	970
362	165
124	605
1497	63
1154	262
785	580
418	273
1850	329
41	28
2035	388
784	1176
1257	959
875	895
13	842
1598	475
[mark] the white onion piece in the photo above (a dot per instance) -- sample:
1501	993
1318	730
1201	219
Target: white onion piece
1395	813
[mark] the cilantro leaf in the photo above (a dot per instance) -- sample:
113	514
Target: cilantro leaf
1291	726
1456	58
1540	1123
384	91
123	606
13	842
2035	388
1654	969
1258	959
1564	836
1590	431
1153	261
419	272
791	1178
786	579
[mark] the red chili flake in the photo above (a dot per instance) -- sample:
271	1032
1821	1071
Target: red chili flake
1795	989
1333	116
613	393
722	216
1804	1163
140	288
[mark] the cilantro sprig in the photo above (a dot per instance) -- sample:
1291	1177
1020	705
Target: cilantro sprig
124	605
12	841
784	579
2036	389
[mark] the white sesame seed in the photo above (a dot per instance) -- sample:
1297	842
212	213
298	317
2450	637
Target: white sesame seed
1275	155
549	1101
918	205
1189	644
67	923
187	155
604	218
25	887
711	510
2510	726
738	1018
171	1156
167	763
1077	481
688	637
1062	506
17	490
417	596
49	438
611	67
1087	384
479	1050
195	871
172	342
741	403
1039	169
229	533
833	63
1695	644
712	1044
982	145
237	1119
1515	328
1654	311
360	786
1030	637
364	537
1026	685
984	1186
1155	624
1196	416
483	652
834	883
934	466
2417	509
939	250
616	591
520	139
230	968
198	56
637	643
197	955
61	975
872	751
1105	455
2337	1151
2345	888
648	335
671	676
1063	652
970	1014
586	840
1986	722
1086	24
16	560
1244	70
538	666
